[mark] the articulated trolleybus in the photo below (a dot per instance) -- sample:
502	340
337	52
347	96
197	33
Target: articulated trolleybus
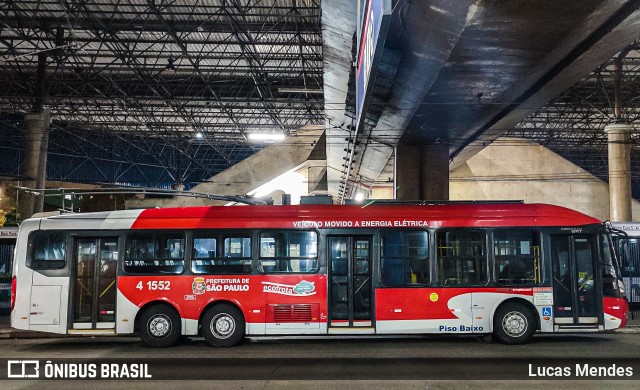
507	269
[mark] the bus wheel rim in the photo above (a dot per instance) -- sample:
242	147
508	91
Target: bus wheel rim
514	324
159	326
222	326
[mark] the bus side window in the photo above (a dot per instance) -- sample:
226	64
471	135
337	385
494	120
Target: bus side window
154	253
517	257
462	257
404	258
221	253
289	251
49	249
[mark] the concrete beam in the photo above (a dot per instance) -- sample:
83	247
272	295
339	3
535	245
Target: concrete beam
560	69
338	28
426	48
251	173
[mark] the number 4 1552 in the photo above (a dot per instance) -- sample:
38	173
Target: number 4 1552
155	285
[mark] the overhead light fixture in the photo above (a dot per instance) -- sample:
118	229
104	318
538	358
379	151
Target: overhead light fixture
300	90
199	135
359	197
273	137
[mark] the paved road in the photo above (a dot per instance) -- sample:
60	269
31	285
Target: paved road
347	362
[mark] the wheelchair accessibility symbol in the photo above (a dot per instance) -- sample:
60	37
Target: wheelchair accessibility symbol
546	311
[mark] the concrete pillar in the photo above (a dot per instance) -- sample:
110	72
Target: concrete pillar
619	171
408	168
35	162
250	173
422	172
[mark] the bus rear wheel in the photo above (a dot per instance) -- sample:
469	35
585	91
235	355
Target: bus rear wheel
514	323
159	326
223	326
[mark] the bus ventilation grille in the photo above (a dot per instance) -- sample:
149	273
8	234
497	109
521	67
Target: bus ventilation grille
292	313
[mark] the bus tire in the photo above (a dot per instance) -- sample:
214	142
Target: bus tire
223	326
159	326
514	323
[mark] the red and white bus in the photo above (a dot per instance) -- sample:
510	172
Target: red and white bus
507	269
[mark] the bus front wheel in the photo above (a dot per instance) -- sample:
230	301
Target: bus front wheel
223	326
514	323
159	326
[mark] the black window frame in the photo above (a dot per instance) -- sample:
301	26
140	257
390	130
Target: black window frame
406	257
279	260
132	235
48	264
226	264
537	272
485	267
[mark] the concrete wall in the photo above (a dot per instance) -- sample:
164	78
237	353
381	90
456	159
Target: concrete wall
519	169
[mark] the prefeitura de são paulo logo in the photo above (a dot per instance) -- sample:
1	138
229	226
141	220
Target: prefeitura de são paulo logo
199	287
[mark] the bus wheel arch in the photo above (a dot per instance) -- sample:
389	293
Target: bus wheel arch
222	324
515	321
159	324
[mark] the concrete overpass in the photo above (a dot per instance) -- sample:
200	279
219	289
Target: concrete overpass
466	71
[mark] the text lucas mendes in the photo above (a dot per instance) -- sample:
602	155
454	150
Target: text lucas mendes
580	370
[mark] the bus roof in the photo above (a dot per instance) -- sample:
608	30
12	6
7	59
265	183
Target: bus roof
326	216
336	216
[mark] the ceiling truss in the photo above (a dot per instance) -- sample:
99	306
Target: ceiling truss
210	71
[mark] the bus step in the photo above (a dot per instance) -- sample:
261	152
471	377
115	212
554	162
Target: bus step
579	328
352	330
92	332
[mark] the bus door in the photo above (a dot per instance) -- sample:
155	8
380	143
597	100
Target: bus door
94	296
575	295
350	291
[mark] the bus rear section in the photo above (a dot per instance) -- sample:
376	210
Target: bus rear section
41	283
64	274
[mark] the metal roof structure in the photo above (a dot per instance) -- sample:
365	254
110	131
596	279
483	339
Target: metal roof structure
159	92
190	77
